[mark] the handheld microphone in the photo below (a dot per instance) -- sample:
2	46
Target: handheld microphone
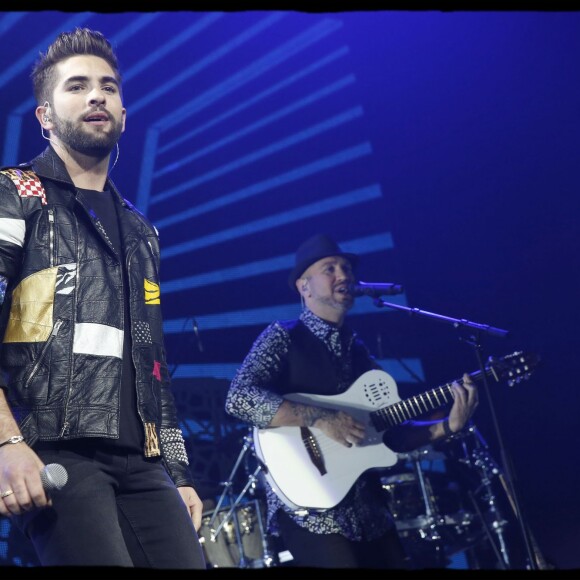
54	477
376	289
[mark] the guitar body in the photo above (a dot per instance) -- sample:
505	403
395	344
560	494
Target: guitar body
290	469
308	469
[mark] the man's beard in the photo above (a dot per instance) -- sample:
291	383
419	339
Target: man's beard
331	301
97	145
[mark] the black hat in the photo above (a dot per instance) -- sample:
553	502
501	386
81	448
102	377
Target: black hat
314	249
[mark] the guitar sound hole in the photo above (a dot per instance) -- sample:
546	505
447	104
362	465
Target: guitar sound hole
376	393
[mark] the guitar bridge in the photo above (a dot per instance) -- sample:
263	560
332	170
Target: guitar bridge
312	449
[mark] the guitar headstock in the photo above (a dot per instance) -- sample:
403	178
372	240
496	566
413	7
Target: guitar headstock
514	367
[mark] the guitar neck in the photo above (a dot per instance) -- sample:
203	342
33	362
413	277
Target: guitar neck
417	405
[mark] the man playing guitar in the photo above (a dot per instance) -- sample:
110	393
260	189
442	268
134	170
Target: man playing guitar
286	385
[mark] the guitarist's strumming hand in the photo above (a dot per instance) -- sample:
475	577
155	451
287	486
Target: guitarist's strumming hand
465	401
340	426
336	424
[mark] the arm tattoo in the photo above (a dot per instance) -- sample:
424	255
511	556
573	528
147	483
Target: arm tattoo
310	414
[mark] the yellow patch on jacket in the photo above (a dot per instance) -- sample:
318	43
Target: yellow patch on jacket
32	306
152	292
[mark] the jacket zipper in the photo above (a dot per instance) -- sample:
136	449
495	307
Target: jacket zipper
53	333
129	256
51	235
66	425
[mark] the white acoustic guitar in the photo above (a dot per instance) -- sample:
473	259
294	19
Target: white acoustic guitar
308	469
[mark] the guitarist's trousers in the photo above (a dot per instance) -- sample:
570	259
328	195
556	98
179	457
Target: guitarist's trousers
335	551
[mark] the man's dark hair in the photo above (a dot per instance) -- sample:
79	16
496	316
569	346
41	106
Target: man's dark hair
80	41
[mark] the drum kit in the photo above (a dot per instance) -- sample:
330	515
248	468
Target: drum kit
232	534
429	509
443	501
236	540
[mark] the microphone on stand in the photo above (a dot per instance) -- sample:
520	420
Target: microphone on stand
197	336
376	289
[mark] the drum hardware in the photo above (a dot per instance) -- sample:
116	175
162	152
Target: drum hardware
431	509
223	550
480	459
488	468
431	517
416	516
427	495
233	515
424	524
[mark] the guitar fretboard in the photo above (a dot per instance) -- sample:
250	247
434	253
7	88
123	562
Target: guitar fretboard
514	367
412	407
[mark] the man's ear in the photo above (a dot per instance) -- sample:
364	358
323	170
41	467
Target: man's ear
302	285
44	115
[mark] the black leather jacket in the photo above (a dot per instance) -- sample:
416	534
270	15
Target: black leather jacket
62	320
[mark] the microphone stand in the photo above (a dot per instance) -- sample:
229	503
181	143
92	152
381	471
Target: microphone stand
195	329
473	341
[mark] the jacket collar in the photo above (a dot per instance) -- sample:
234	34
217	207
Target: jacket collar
49	165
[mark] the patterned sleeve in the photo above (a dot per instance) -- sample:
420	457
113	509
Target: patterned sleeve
3	285
249	398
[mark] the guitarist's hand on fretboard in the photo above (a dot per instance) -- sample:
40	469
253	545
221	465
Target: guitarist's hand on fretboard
465	401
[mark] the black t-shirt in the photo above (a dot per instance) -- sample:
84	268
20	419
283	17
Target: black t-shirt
131	437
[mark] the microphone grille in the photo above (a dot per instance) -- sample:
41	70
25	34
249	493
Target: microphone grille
54	477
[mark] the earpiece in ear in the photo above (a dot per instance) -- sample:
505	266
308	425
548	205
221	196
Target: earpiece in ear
46	116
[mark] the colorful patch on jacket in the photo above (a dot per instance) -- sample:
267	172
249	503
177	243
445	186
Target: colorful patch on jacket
152	292
27	184
157	370
151	441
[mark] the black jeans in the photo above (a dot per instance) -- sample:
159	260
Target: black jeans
311	550
117	509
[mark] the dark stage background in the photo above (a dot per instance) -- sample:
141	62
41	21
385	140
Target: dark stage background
441	146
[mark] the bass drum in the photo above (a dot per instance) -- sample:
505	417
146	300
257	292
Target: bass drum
222	549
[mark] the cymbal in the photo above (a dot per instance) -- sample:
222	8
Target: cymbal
422	454
398	478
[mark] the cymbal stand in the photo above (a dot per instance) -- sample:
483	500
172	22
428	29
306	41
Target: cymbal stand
268	559
481	459
431	519
232	514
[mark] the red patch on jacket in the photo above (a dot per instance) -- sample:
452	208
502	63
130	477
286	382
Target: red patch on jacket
157	370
